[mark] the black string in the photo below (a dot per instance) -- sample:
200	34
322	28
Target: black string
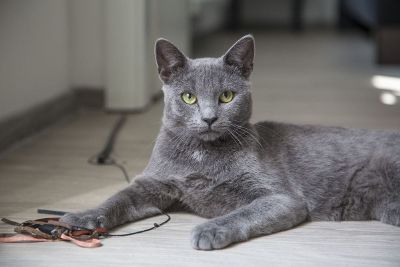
51	212
104	157
110	161
108	148
156	225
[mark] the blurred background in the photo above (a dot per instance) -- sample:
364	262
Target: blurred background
332	62
68	68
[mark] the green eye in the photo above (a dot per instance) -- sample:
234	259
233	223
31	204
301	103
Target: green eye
226	97
188	98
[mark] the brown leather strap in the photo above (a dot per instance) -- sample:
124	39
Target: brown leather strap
58	223
7	221
44	221
20	238
32	231
51	229
91	243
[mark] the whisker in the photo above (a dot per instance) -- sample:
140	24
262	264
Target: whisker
261	136
251	134
235	138
272	131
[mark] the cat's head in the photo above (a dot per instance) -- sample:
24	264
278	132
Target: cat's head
206	98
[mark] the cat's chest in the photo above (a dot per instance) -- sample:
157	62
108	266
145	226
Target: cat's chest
205	158
214	162
202	159
199	156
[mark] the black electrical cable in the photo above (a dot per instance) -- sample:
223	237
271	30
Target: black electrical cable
110	161
156	225
105	154
105	158
51	212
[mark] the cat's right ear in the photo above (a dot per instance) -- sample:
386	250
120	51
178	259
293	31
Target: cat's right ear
169	59
241	55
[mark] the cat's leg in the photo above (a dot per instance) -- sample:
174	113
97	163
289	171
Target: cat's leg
145	197
264	215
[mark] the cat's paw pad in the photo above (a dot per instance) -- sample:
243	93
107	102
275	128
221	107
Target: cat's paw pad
85	220
209	236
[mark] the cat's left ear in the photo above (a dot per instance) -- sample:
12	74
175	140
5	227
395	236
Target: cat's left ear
169	59
241	55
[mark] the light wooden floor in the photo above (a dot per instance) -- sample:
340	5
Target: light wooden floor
311	78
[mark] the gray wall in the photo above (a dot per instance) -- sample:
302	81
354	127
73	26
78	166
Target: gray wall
277	12
48	47
208	15
87	43
33	53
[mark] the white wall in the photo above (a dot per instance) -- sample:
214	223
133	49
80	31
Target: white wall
87	43
33	53
112	45
126	87
50	46
131	30
168	19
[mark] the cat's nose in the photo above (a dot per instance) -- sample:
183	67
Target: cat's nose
210	120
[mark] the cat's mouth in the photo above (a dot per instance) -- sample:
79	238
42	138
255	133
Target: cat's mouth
209	130
209	135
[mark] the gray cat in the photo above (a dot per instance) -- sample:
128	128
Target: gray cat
249	179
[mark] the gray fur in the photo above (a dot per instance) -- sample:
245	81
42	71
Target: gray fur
250	180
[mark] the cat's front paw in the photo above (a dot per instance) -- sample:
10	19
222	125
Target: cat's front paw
88	220
209	236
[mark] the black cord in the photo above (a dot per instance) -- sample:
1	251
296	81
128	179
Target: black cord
51	212
156	225
110	161
104	155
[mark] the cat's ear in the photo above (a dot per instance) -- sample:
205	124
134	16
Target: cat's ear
241	55
169	59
